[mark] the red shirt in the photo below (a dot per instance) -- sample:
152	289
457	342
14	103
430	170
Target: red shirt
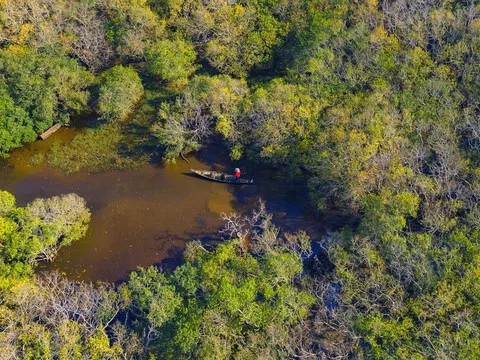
237	174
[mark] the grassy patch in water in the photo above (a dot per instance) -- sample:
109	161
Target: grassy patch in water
99	149
118	145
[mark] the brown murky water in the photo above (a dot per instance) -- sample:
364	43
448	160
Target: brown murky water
145	216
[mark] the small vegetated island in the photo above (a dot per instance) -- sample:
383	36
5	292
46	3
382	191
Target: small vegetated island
375	104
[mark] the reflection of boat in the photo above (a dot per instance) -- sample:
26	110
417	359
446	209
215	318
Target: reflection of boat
220	177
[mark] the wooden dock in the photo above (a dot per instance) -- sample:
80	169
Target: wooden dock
50	131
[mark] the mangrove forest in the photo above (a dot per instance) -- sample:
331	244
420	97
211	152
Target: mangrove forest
344	140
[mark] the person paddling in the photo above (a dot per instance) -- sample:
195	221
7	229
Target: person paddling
237	174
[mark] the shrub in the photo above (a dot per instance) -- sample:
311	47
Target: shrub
172	61
120	88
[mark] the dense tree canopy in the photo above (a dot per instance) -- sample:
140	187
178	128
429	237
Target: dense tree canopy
172	61
36	91
37	231
221	303
375	104
15	124
120	89
377	111
207	105
95	32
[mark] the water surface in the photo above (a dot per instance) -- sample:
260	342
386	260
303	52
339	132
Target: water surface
145	216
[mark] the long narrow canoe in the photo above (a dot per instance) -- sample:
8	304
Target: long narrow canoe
220	177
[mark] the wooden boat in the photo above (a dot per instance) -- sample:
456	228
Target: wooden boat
221	177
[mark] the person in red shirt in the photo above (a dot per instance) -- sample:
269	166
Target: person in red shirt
237	174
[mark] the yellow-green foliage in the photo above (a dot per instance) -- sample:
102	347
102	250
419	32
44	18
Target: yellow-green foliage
172	61
37	231
120	89
374	104
36	91
247	295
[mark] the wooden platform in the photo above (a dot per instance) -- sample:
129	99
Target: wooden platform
50	131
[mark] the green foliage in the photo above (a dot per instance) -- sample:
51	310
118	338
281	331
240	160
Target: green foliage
98	347
387	213
47	87
131	26
217	297
153	295
409	297
172	61
49	316
7	202
120	89
15	124
375	104
95	32
388	339
207	104
283	117
234	37
34	342
37	90
37	231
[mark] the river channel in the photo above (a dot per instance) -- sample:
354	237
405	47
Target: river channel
145	216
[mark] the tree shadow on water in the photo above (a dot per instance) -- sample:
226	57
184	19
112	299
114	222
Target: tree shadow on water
174	254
